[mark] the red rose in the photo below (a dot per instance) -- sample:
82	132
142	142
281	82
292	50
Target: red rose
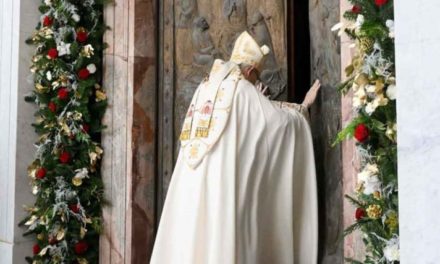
47	21
360	213
64	157
356	9
83	74
36	249
74	208
361	133
380	2
52	53
81	247
63	93
41	173
52	107
81	36
85	128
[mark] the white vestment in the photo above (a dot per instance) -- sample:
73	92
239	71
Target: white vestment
251	198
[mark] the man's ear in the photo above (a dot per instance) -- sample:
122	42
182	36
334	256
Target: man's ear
249	71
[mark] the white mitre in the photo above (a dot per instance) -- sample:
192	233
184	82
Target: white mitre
208	112
247	51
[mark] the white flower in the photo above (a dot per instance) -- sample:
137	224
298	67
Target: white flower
49	75
359	97
91	68
81	173
48	2
379	100
63	49
370	108
391	251
359	21
76	18
391	92
369	179
35	190
340	27
390	25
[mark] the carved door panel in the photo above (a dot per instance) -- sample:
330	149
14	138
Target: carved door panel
192	34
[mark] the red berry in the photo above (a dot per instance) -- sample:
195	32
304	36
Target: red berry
380	2
360	213
83	74
81	247
52	107
361	133
85	128
52	53
356	9
47	21
41	173
64	157
63	93
74	208
81	36
36	249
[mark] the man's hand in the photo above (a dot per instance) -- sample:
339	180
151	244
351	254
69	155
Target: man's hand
311	94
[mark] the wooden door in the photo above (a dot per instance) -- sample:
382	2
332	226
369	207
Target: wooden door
192	33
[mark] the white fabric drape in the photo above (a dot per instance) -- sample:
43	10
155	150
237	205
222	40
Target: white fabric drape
252	199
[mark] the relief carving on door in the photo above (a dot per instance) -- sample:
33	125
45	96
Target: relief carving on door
206	30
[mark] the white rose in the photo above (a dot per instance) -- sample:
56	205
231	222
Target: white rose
91	68
370	108
391	251
391	92
48	2
63	49
76	18
359	21
390	25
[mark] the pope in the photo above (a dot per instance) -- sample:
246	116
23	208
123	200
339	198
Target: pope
243	190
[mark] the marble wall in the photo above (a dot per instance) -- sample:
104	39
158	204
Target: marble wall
17	20
418	95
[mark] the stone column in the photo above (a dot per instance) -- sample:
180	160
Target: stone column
353	245
129	141
18	20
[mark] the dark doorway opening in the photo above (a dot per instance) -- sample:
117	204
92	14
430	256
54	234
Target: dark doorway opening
299	53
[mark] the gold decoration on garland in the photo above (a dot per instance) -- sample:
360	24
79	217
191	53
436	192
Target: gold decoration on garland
371	79
65	176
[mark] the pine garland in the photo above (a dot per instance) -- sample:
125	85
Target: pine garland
65	175
371	78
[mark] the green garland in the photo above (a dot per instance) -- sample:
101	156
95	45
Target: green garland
65	175
371	79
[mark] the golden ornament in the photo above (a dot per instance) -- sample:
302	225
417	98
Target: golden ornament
40	236
77	181
374	211
377	195
82	232
60	234
361	79
82	261
100	95
40	88
366	44
392	221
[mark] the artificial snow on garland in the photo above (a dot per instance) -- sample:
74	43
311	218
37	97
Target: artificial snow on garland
65	175
371	81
